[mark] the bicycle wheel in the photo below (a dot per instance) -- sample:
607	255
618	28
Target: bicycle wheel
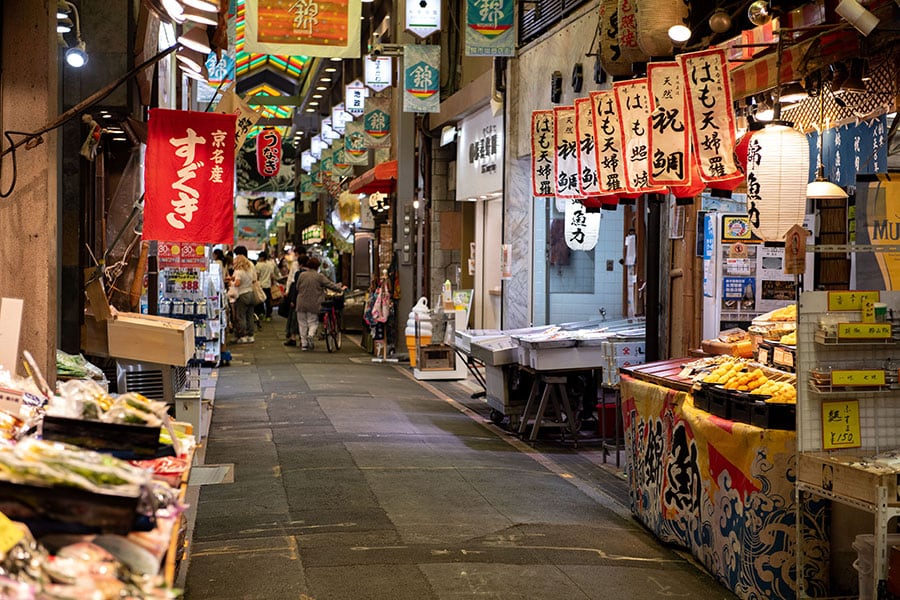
328	330
337	332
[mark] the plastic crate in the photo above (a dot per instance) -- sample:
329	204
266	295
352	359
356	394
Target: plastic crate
774	415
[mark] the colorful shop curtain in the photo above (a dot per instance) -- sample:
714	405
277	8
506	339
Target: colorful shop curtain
328	28
189	177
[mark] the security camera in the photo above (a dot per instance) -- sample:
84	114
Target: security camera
376	47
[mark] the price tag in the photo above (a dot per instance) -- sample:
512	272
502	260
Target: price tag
840	424
851	300
864	377
11	400
868	311
10	534
783	357
864	331
762	355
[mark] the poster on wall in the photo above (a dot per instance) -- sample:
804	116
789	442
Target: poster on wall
490	28
878	224
565	163
542	153
421	78
669	136
327	28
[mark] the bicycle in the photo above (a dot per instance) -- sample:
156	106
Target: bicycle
331	320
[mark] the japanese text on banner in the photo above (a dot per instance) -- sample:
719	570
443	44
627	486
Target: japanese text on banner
588	184
582	228
610	165
565	165
669	135
634	113
542	153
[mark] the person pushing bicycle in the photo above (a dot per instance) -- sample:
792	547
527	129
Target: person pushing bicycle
311	286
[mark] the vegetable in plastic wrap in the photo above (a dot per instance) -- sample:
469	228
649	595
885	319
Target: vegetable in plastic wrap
76	365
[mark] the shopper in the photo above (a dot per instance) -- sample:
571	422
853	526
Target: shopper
245	300
265	272
288	308
311	286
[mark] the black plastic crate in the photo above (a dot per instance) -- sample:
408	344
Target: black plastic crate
121	440
719	401
741	409
774	415
701	399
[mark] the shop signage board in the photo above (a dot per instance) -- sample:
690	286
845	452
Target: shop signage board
189	177
306	160
423	17
355	98
340	118
610	163
377	122
878	224
181	255
421	78
268	152
840	424
853	300
379	72
479	153
588	183
327	28
355	143
711	112
490	28
565	163
669	135
542	153
864	331
862	377
582	228
633	103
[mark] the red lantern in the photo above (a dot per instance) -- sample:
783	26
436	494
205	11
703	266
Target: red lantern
684	194
268	152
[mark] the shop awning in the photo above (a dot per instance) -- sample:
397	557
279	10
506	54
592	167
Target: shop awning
380	178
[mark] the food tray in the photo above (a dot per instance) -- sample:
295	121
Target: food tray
774	415
124	441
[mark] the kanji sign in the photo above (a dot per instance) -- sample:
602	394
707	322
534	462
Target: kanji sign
669	134
582	228
490	28
588	184
379	74
328	28
610	164
565	164
377	122
840	424
421	78
423	17
633	102
268	152
542	153
355	101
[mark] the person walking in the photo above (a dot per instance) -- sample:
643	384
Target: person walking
265	272
311	286
245	301
288	308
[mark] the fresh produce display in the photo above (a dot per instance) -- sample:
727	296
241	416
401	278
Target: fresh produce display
745	376
76	365
85	399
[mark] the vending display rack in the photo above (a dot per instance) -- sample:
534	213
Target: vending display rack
197	295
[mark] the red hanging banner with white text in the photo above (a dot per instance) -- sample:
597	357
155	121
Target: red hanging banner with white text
189	177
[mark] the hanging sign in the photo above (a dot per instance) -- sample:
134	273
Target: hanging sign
317	177
565	164
669	134
377	122
189	177
307	191
354	103
232	104
542	153
221	70
633	102
326	165
708	88
268	152
421	78
326	130
306	160
610	50
588	184
355	143
490	29
379	72
340	166
328	28
582	228
339	118
423	17
610	164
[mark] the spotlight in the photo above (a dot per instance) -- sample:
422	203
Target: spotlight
854	82
76	56
191	58
64	25
759	12
679	34
720	21
793	92
857	15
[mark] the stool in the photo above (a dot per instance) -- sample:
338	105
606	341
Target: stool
554	390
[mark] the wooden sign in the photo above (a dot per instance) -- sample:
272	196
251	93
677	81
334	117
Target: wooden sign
795	251
840	424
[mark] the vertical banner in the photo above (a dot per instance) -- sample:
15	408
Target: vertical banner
377	122
610	165
423	17
565	163
328	28
421	78
317	177
307	192
355	144
232	104
355	98
189	177
340	167
582	229
588	184
268	152
326	166
670	143
711	112
379	72
490	28
878	224
542	153
633	102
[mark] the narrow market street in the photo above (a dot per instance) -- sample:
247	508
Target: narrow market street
352	480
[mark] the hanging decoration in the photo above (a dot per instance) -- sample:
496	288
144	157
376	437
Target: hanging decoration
588	183
543	152
670	143
355	144
317	177
565	163
633	103
684	194
377	122
348	207
490	28
582	228
610	52
268	152
326	165
626	13
654	18
327	28
340	167
307	192
423	17
355	98
421	78
711	111
610	165
777	174
189	177
379	72
232	104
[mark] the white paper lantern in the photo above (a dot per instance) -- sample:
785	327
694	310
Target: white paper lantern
777	173
582	228
654	18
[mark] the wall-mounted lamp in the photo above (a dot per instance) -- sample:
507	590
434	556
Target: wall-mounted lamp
857	15
555	87
577	77
448	134
76	56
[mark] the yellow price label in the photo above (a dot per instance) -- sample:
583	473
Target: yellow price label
851	300
860	377
864	331
840	424
868	311
10	534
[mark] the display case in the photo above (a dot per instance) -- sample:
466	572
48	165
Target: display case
196	294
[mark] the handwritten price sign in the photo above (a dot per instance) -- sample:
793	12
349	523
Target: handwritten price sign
840	424
851	300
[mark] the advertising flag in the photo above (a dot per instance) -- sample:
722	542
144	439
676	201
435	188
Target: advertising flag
421	78
490	28
327	28
355	144
377	122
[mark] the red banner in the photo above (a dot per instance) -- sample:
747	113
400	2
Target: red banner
268	152
189	177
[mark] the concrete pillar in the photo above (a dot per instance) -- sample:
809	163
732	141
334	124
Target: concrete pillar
28	217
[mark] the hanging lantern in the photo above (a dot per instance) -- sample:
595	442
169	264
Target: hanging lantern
654	18
611	58
777	174
348	207
626	13
268	152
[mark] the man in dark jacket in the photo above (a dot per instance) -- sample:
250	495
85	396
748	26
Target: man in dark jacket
311	286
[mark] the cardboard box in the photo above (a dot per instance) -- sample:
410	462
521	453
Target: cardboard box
834	474
152	339
94	337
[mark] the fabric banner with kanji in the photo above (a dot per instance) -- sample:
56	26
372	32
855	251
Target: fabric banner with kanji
328	28
490	28
421	78
582	228
542	153
189	177
340	166
670	142
633	102
355	143
565	164
610	165
232	104
377	122
588	184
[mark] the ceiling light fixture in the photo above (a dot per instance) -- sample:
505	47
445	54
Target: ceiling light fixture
854	82
64	25
759	12
331	70
679	34
720	21
321	88
174	9
200	16
793	92
206	5
325	79
191	58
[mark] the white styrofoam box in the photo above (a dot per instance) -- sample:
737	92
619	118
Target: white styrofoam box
612	365
189	408
628	349
865	561
558	359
